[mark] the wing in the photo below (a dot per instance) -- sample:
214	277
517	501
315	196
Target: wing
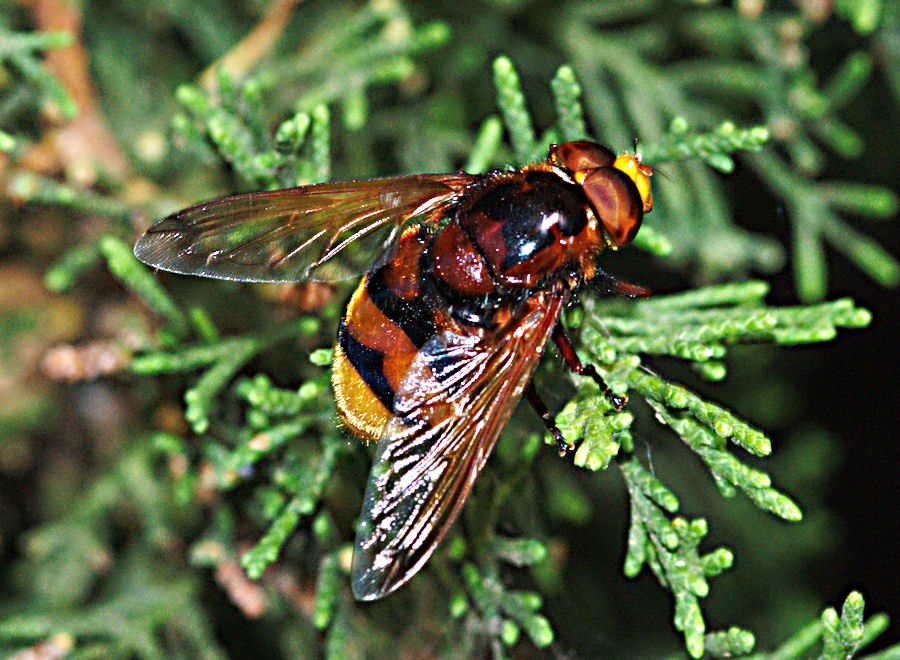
292	234
450	409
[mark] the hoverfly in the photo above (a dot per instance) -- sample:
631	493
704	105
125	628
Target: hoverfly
440	338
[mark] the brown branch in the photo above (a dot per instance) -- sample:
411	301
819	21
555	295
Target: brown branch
245	54
85	145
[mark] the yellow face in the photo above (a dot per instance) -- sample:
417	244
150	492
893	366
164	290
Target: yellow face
639	173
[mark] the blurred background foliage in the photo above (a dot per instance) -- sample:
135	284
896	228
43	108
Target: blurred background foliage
133	504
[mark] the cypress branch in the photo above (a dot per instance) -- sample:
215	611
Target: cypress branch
19	50
328	591
486	145
567	95
63	274
266	550
25	186
713	147
123	264
511	101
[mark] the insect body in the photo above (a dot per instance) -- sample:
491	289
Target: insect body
440	338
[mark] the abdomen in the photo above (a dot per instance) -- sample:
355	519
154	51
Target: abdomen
387	320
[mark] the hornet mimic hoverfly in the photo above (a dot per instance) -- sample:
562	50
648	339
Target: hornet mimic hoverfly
440	339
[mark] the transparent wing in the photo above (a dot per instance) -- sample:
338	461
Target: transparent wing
292	234
450	409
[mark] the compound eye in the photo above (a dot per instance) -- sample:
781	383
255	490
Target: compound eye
583	155
616	201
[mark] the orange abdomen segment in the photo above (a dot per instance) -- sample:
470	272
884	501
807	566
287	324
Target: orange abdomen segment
385	324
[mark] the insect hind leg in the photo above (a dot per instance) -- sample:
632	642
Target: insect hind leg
531	394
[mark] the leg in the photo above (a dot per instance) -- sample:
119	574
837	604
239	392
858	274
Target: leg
575	364
540	408
618	286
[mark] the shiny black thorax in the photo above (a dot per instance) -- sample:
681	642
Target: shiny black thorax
515	224
508	233
533	210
